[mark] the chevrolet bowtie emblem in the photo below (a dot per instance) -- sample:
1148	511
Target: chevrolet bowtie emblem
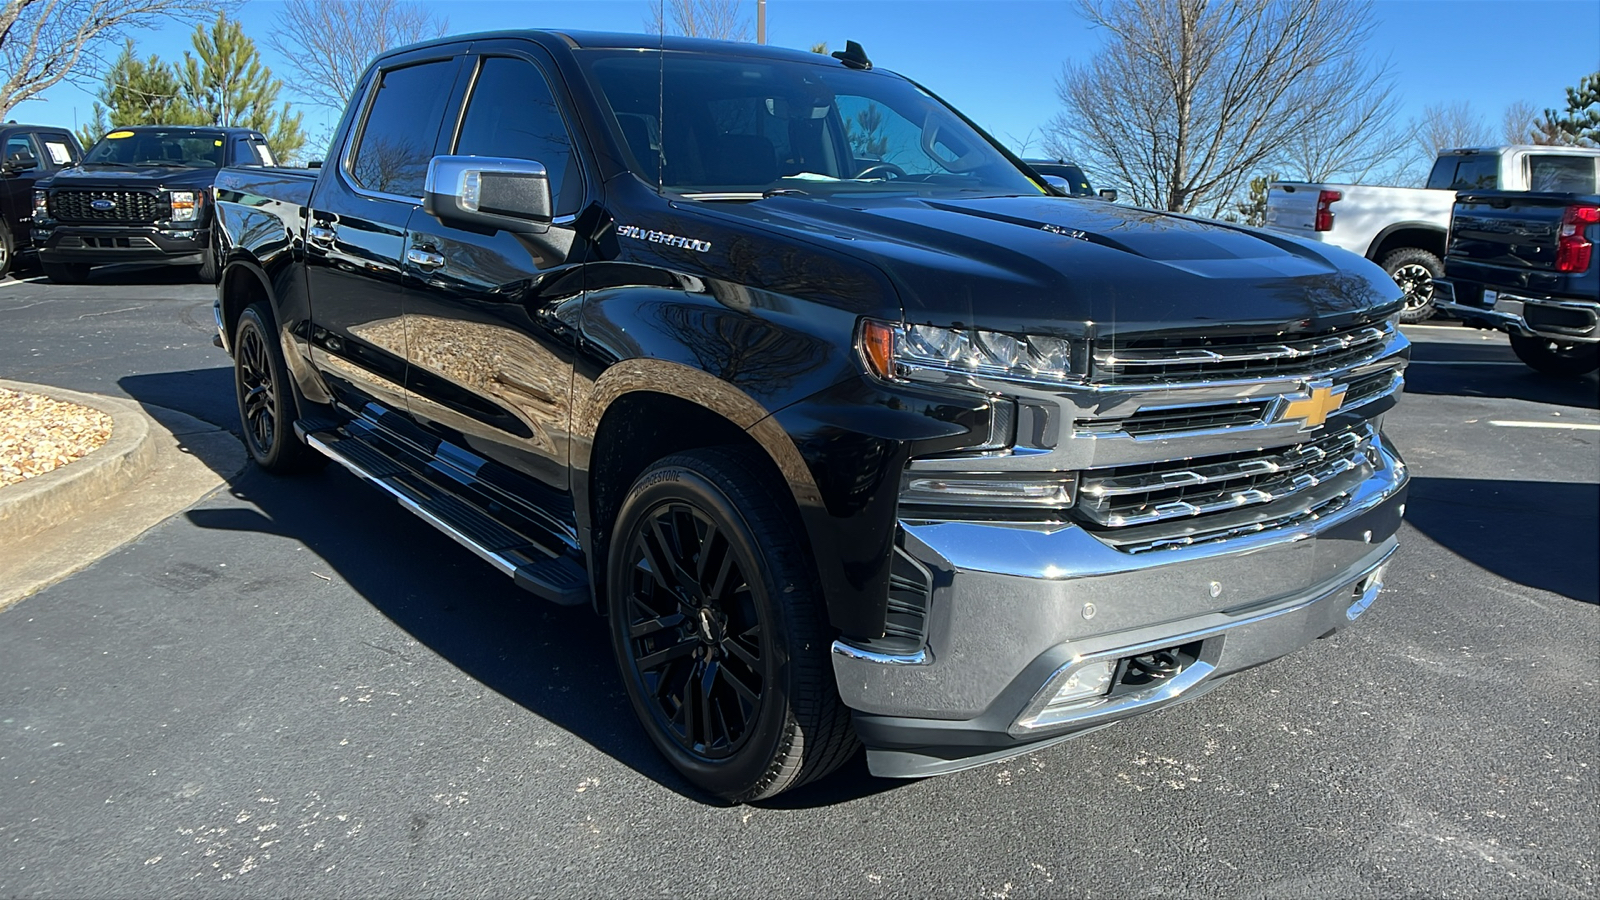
1321	400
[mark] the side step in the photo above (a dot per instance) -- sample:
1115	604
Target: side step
536	561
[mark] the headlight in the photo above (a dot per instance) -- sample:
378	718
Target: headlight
929	353
186	205
41	205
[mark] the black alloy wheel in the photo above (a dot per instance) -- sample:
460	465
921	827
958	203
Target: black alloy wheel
1415	270
266	399
6	247
717	622
695	634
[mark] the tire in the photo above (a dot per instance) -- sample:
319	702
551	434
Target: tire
1414	269
66	273
1556	358
265	395
8	249
738	607
206	272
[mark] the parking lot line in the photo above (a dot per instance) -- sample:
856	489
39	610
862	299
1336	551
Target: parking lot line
1575	426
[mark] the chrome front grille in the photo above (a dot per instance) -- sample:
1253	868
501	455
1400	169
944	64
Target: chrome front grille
1177	420
1126	496
141	207
1147	360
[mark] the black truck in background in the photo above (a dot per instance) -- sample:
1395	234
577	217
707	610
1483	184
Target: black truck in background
1526	264
28	154
851	442
142	194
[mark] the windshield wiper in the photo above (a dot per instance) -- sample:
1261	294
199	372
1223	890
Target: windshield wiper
742	195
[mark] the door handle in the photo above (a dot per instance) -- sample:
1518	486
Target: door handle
320	234
423	258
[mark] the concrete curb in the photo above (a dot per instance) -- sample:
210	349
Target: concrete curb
57	496
157	463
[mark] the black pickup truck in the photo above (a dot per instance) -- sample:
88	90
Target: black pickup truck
143	195
849	438
28	154
1525	264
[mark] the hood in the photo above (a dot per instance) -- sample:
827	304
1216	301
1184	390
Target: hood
92	177
1075	267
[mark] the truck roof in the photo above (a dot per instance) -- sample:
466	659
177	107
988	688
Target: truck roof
1530	148
610	40
225	129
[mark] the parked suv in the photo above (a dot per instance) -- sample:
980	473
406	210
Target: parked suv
141	195
28	153
849	437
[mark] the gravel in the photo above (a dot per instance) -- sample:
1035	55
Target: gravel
38	434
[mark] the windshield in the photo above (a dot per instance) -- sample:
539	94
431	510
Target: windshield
740	127
186	148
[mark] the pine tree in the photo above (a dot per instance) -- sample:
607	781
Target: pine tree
1579	123
1253	211
138	92
228	85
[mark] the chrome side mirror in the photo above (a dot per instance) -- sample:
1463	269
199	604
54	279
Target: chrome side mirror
1108	194
1061	185
486	192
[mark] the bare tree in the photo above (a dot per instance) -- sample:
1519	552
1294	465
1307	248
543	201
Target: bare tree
1520	123
1446	126
43	42
328	43
716	19
1188	99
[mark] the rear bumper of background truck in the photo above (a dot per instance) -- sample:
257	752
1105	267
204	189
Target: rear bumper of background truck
1017	612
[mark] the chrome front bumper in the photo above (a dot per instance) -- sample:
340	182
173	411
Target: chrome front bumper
1015	610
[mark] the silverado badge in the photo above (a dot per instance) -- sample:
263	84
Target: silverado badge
1320	400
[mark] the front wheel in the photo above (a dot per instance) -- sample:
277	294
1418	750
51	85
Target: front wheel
1415	270
716	619
1557	358
266	398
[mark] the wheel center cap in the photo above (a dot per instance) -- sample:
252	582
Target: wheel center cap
706	625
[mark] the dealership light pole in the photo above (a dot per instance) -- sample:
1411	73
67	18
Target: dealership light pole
761	21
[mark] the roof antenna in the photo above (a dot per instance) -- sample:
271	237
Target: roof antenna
661	98
853	56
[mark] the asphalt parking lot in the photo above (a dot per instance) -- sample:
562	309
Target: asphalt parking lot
293	688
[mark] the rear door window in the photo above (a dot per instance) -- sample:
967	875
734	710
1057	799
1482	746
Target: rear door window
1479	172
58	149
396	142
1561	174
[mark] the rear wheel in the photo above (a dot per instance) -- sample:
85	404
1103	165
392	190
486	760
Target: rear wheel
266	398
1557	358
716	621
7	248
1414	269
66	273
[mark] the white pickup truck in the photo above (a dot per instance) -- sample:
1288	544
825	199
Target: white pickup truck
1404	229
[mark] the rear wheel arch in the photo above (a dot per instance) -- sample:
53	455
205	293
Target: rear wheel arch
240	287
1408	234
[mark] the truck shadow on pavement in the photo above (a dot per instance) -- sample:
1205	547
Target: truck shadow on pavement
555	662
1433	374
1536	533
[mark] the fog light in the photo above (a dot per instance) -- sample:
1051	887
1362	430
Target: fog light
1085	683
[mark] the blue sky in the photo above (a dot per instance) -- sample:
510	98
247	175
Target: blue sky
997	60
